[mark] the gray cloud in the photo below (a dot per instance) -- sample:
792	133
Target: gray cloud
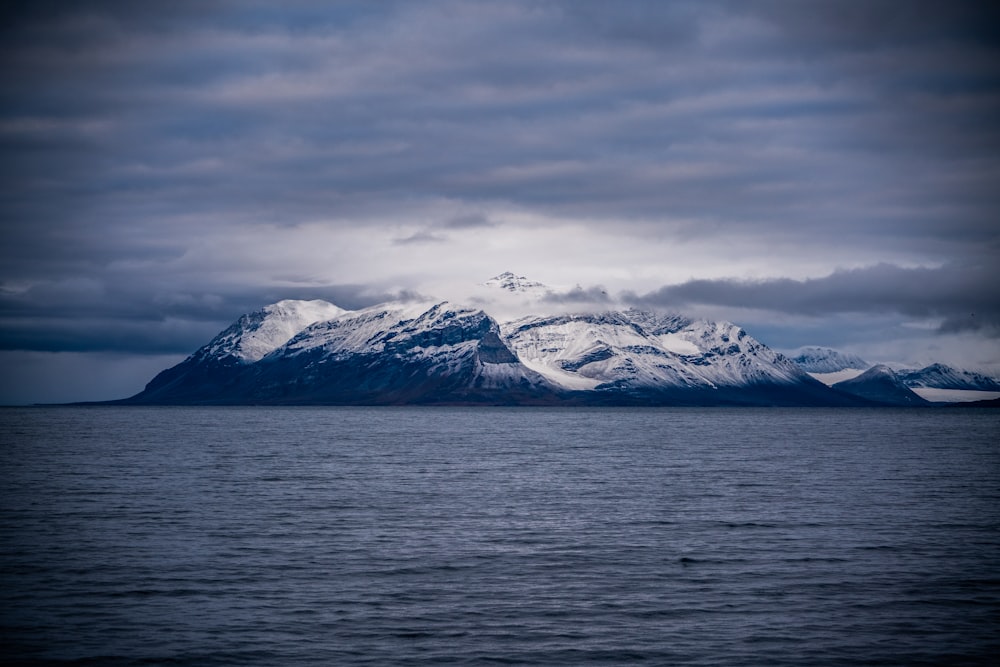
468	221
423	236
108	316
595	296
219	110
159	163
966	298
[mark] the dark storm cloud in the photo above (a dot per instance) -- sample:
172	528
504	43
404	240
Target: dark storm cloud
775	115
92	315
966	298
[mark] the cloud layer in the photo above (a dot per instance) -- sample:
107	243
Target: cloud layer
167	167
962	298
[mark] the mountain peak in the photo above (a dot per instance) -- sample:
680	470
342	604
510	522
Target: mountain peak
826	360
259	333
515	283
881	384
879	370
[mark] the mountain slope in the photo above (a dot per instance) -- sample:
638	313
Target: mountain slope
216	368
940	376
400	353
659	358
827	360
639	349
880	384
254	336
388	354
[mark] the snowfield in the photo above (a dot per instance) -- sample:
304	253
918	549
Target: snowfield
936	395
830	379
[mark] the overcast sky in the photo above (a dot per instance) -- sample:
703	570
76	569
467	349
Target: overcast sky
818	172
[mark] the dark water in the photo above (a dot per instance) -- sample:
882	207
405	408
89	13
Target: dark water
392	536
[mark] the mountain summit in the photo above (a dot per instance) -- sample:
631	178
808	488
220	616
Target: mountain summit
517	284
257	334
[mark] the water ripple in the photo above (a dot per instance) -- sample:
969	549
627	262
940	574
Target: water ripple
374	536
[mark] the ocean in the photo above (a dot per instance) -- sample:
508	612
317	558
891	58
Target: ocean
486	536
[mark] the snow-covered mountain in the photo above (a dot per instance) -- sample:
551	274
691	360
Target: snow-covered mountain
257	334
438	352
881	385
936	383
398	352
639	352
940	376
827	360
215	371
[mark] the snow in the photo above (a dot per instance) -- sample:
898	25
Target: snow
360	330
256	335
677	344
283	321
397	327
514	283
940	376
826	360
640	349
830	379
954	395
558	376
496	376
548	345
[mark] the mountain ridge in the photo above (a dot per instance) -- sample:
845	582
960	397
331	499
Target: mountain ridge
942	376
814	359
437	352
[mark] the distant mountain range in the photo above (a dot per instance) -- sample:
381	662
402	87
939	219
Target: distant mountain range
428	352
940	376
881	385
851	374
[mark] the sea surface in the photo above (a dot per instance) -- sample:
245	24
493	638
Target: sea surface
485	536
